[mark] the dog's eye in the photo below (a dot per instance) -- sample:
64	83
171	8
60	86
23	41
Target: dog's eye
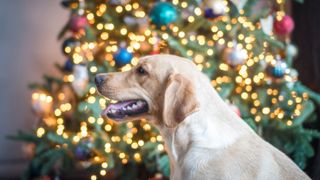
141	70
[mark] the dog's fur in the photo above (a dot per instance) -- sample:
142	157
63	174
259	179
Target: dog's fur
203	137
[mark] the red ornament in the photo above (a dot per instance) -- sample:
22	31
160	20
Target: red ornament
77	23
284	26
153	52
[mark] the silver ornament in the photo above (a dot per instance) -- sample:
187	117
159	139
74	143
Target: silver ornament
217	6
291	50
81	79
235	56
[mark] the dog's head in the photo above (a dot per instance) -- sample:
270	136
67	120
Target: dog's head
159	88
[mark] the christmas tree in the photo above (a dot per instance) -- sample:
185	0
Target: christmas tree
242	45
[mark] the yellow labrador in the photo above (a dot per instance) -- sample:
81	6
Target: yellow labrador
203	137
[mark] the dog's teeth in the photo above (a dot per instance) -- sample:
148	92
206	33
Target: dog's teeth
113	111
134	106
124	108
139	103
129	108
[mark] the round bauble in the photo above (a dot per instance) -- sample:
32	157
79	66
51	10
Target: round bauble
277	70
215	8
210	14
163	13
235	56
291	50
77	23
69	45
68	66
81	79
122	57
284	26
154	52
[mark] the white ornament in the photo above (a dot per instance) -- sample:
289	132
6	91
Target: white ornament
81	79
291	50
239	3
217	6
235	56
267	24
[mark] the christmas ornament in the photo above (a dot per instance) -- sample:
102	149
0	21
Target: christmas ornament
215	8
294	75
291	50
235	56
163	13
122	57
83	150
77	23
68	66
69	45
267	24
81	79
278	69
153	52
284	26
210	14
239	3
41	102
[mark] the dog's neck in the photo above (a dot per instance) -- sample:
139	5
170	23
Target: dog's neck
214	126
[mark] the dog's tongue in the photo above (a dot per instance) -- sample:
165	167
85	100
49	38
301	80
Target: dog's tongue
117	106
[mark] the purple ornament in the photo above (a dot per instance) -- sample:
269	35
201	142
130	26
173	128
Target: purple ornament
77	23
82	153
208	13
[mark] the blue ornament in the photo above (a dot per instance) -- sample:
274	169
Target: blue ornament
163	13
68	66
278	70
209	13
215	8
122	57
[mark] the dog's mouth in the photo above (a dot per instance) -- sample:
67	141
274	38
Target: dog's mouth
127	108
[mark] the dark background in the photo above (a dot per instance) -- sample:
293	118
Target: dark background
29	48
307	37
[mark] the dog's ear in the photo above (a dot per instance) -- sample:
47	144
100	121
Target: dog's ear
179	100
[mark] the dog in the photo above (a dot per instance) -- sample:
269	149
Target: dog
203	137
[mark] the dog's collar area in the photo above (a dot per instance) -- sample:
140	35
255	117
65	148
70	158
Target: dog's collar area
123	109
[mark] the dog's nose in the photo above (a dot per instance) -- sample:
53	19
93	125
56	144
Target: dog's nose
98	80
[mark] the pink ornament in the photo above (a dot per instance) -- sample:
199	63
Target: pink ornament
154	52
77	23
284	26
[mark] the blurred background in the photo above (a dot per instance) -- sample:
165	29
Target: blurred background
29	48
